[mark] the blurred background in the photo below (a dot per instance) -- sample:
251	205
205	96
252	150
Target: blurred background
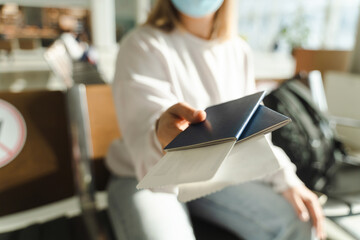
273	29
57	59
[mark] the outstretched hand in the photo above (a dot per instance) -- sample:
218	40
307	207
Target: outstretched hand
306	205
175	120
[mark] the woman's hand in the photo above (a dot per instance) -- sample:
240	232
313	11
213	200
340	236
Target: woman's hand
175	120
306	205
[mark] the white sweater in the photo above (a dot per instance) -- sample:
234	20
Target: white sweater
155	70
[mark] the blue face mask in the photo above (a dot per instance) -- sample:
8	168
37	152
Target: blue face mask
197	8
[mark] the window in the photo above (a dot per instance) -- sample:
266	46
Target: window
281	24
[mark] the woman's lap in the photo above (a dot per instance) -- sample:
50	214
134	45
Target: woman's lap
252	210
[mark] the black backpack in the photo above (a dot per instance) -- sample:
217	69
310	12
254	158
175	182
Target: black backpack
309	140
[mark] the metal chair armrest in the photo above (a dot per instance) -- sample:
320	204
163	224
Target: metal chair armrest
343	121
82	151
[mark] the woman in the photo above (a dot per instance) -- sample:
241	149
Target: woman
185	58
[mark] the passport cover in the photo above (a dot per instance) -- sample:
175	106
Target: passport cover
235	120
264	121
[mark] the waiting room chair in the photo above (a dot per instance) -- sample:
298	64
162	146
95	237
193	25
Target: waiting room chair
339	95
339	99
60	62
342	92
93	127
68	70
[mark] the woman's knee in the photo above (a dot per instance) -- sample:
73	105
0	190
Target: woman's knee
124	220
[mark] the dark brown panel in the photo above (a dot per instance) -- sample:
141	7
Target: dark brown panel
42	172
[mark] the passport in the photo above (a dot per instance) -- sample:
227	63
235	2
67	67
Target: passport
236	120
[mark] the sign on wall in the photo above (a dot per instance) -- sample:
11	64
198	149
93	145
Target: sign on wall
12	132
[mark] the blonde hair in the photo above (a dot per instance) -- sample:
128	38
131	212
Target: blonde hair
165	16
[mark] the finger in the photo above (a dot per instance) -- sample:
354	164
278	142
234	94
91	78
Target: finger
184	111
299	207
200	116
172	125
182	124
317	216
317	222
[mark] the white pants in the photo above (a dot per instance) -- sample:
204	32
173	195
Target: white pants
251	211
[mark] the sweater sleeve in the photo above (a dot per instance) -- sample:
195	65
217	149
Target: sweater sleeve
142	92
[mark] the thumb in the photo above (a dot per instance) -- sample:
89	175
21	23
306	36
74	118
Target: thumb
184	111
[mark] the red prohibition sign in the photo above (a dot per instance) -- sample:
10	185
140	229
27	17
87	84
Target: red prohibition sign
12	132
